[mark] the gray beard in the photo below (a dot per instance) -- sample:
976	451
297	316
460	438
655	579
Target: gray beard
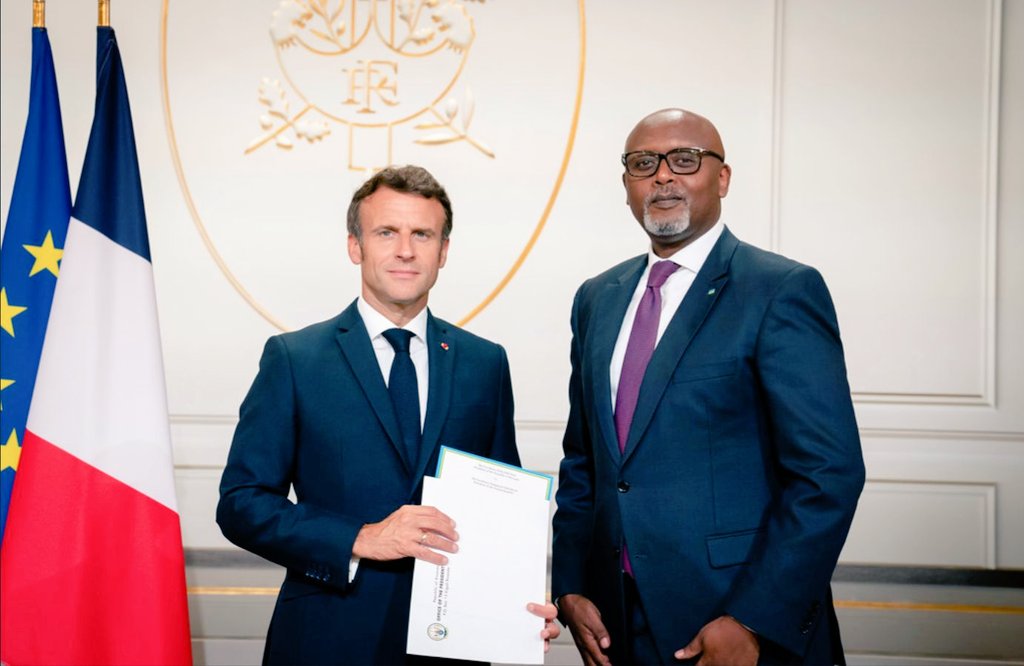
668	228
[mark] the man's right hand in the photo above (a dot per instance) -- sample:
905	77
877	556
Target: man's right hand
584	622
411	531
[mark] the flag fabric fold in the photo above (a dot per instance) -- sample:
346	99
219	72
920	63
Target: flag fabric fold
33	243
92	566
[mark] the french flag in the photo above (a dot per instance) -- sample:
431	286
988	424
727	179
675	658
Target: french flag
92	568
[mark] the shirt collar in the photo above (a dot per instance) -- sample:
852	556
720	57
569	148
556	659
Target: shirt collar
692	256
376	323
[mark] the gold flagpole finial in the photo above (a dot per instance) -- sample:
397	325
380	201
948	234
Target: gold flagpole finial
38	13
104	14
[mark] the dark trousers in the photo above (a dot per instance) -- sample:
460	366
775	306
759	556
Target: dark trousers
642	650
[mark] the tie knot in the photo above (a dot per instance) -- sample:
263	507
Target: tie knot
398	338
660	272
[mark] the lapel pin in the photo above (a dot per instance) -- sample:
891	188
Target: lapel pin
444	346
711	292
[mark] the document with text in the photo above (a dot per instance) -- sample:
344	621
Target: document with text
475	606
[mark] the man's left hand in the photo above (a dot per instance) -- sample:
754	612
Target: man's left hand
551	629
722	642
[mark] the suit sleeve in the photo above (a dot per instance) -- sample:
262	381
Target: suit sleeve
815	447
573	521
254	511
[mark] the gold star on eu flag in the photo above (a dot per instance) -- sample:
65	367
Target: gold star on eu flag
47	256
10	453
8	312
4	383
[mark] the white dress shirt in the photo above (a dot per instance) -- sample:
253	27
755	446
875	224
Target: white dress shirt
376	324
690	259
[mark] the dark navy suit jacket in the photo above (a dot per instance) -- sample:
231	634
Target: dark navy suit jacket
318	418
743	464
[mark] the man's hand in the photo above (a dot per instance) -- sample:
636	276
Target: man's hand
723	641
584	622
411	531
551	629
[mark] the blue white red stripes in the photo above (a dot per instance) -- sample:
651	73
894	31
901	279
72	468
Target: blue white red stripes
92	568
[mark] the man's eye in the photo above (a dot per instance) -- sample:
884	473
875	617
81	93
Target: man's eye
643	163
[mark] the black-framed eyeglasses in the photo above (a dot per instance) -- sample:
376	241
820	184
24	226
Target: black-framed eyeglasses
681	161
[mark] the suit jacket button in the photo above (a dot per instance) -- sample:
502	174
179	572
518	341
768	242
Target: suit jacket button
623	486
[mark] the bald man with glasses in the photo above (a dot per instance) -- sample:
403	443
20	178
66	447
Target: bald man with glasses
712	463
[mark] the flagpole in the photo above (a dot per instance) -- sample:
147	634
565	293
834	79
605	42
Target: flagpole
104	13
38	13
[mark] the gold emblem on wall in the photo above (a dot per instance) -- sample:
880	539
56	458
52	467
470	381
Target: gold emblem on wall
289	104
368	66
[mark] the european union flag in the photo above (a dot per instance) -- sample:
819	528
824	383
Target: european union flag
33	243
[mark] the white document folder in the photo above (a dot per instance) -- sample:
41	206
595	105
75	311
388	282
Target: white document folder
475	606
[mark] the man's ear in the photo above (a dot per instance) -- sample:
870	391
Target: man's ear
724	178
444	253
355	250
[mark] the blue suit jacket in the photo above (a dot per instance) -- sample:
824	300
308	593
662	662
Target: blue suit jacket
319	418
743	464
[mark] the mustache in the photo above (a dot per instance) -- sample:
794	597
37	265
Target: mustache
666	193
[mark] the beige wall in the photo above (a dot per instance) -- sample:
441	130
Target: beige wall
882	142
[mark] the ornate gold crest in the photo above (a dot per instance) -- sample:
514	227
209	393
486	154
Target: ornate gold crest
368	66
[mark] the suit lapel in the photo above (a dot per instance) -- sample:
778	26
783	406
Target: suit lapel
358	351
441	362
610	309
703	294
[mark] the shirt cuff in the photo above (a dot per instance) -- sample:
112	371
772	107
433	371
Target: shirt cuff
353	567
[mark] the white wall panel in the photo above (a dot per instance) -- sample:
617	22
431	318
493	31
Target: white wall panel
197	503
887	147
935	524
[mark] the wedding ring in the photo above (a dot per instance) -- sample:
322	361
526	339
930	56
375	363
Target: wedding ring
423	537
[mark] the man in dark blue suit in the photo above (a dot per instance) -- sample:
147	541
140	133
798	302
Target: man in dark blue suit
712	460
351	413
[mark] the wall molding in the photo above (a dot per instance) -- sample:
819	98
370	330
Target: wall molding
989	229
925	522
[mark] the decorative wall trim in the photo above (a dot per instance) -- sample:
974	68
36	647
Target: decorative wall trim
775	214
919	522
989	221
929	399
959	435
991	203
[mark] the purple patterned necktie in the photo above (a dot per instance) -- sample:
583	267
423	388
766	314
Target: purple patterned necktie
639	350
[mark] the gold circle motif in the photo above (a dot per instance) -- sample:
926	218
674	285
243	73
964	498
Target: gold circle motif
236	283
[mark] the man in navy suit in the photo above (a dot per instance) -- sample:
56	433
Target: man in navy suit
351	413
712	460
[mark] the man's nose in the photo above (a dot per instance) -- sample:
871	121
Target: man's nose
405	246
663	174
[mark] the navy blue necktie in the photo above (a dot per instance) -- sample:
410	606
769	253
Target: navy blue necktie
405	395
